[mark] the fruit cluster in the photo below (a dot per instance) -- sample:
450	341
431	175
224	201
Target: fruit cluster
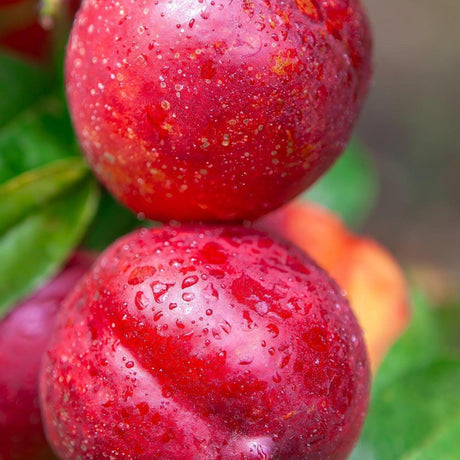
209	337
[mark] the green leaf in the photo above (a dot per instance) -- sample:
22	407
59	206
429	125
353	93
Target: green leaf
449	324
415	404
411	416
35	248
37	136
21	83
35	188
350	187
112	221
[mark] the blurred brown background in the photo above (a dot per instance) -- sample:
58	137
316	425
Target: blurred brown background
411	123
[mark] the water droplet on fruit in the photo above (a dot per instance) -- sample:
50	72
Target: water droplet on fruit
276	377
262	308
141	301
209	312
222	355
189	281
188	296
225	326
273	330
166	392
157	315
316	338
130	364
159	290
216	333
143	408
245	360
180	324
172	306
213	253
176	263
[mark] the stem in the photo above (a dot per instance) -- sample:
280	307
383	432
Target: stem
49	11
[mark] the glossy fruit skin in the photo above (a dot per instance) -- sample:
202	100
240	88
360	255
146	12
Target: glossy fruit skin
204	343
24	333
215	111
375	284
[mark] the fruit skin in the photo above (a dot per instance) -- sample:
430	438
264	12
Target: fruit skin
204	342
206	111
23	336
374	283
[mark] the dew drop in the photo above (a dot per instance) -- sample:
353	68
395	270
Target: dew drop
216	333
141	301
176	263
159	290
188	296
222	355
225	326
273	330
157	315
246	360
166	392
143	408
189	281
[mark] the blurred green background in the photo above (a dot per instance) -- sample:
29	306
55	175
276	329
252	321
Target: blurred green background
411	125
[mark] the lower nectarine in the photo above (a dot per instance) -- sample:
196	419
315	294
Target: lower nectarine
204	343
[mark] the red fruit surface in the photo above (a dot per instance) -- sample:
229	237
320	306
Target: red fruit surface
24	333
375	284
210	110
204	343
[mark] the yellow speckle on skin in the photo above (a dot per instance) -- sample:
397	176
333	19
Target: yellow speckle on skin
307	150
307	7
285	63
